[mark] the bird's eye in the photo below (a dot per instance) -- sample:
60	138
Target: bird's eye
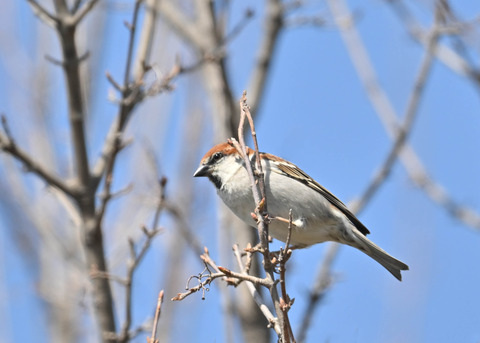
216	156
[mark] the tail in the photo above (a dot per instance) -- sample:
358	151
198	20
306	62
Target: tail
390	263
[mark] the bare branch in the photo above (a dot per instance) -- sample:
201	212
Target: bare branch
90	227
114	83
273	25
246	18
131	41
152	338
404	131
133	263
98	274
285	302
444	53
43	14
255	295
201	286
245	277
130	98
83	11
8	145
185	27
146	39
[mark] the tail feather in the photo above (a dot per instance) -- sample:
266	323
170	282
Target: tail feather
390	263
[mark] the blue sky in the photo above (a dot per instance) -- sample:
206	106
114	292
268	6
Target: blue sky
316	114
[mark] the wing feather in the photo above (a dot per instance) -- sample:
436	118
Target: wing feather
296	173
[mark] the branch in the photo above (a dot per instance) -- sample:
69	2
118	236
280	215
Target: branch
135	259
76	108
83	11
273	24
8	145
445	54
132	94
404	131
245	277
153	339
185	27
235	31
207	260
285	302
146	39
43	14
90	228
113	143
202	285
255	295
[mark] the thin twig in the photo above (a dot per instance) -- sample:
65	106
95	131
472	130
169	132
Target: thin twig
285	302
273	25
246	277
131	42
246	18
113	143
404	131
153	337
106	169
48	18
201	286
136	258
98	274
114	83
146	39
8	145
255	294
181	24
444	53
208	260
82	11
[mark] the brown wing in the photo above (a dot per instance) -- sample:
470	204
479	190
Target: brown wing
296	173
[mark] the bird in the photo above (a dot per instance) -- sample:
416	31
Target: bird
317	215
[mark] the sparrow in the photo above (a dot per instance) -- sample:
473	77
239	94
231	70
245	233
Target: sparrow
317	215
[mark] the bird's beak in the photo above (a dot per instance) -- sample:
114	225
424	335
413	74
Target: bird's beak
201	171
